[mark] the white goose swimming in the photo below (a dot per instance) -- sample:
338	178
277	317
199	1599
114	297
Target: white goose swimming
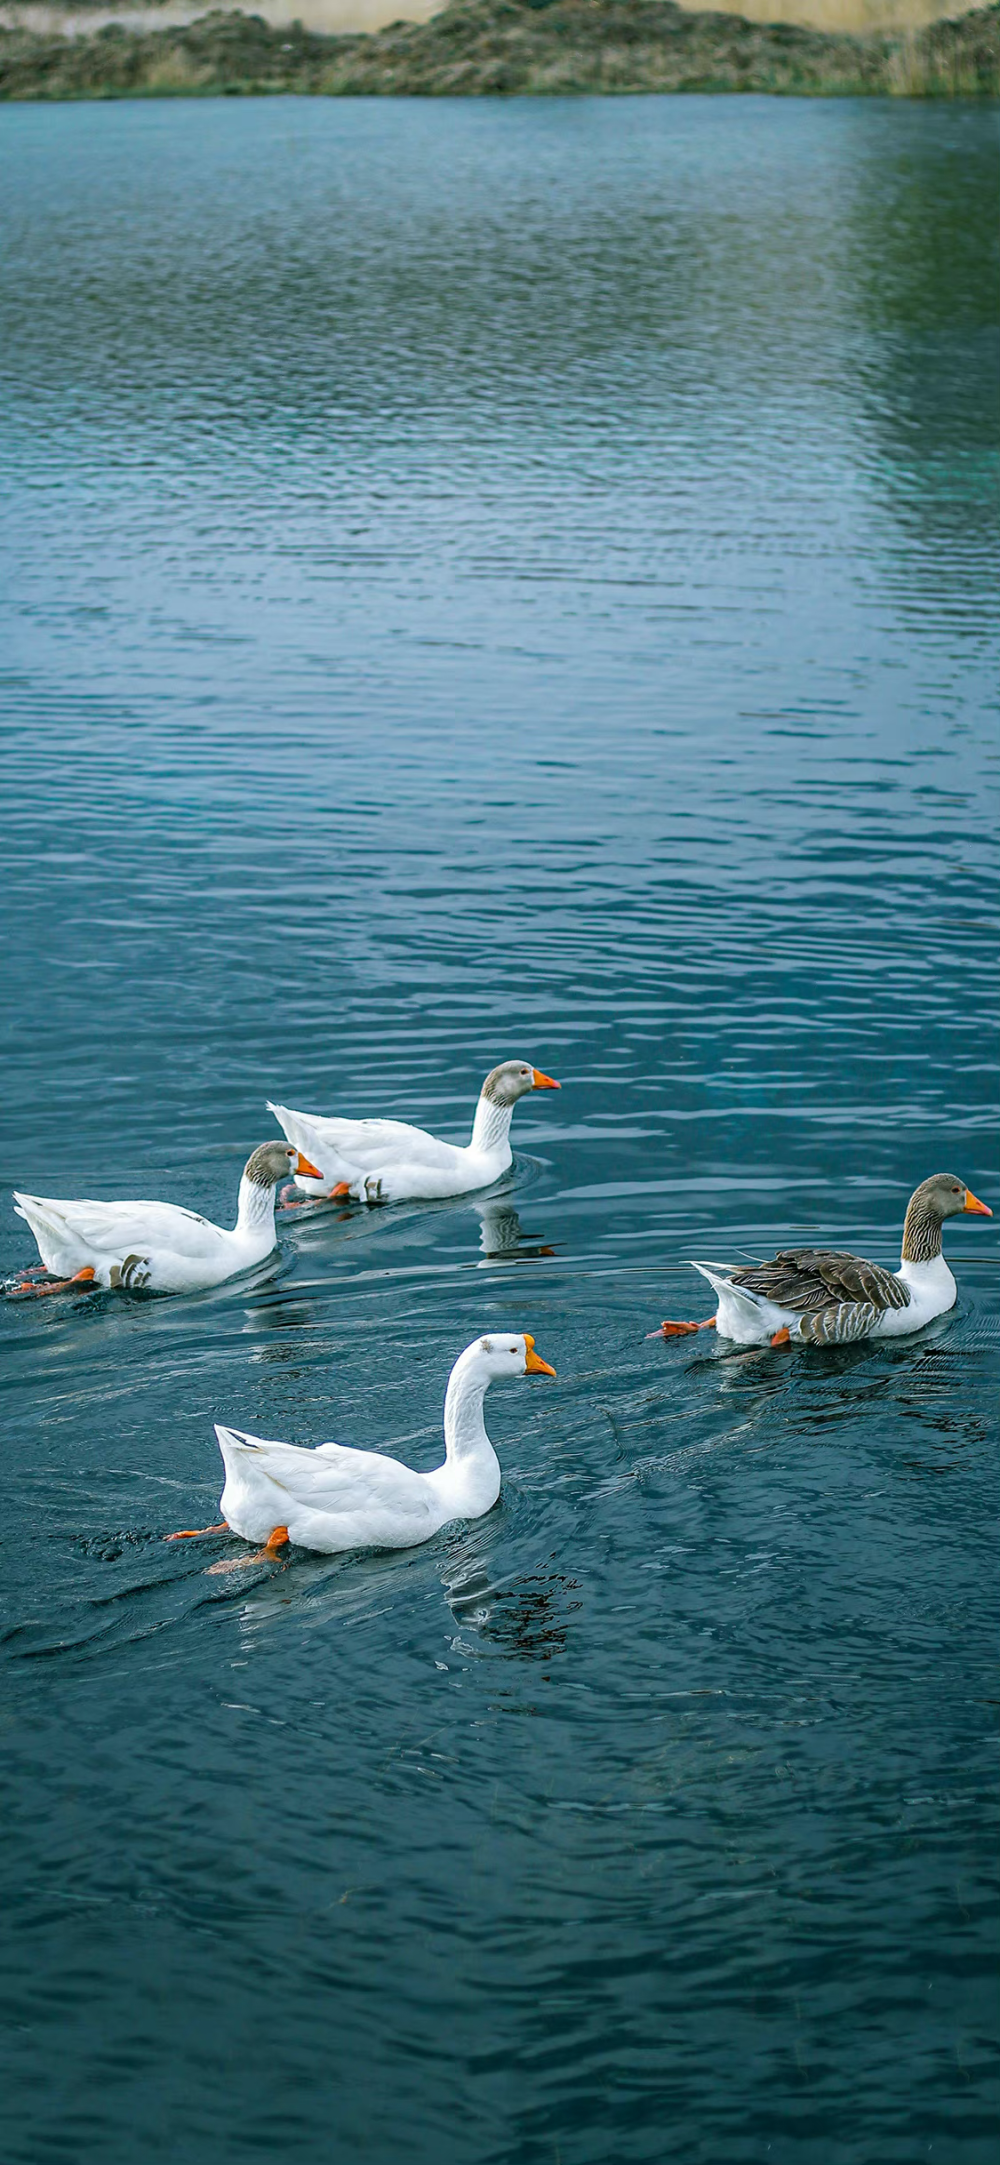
334	1498
387	1161
825	1297
158	1246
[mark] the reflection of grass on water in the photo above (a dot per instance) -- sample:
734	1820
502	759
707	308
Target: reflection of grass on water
491	47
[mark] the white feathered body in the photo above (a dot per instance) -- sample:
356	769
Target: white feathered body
159	1246
387	1161
334	1498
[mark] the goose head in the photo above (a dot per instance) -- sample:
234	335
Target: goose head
944	1196
512	1080
505	1353
273	1162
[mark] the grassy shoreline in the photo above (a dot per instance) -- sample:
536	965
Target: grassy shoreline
477	48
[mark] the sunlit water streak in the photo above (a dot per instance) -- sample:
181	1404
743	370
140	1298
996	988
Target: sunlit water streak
506	578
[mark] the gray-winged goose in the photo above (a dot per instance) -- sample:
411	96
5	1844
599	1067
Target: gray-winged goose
824	1296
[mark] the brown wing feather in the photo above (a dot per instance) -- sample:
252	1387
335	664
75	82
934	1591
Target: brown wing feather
808	1279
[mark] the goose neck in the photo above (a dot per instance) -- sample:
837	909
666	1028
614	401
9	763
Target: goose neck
921	1232
491	1126
256	1208
464	1427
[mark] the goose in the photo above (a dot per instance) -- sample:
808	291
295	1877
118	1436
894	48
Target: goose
334	1498
824	1297
158	1246
387	1161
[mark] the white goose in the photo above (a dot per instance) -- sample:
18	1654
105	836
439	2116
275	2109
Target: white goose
826	1297
334	1498
387	1161
158	1245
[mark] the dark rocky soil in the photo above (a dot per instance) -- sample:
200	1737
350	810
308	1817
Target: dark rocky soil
485	47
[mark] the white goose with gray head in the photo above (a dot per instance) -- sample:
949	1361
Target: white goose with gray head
822	1296
387	1161
158	1246
335	1498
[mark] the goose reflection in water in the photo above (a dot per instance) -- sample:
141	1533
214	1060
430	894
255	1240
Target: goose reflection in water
525	1620
522	1619
501	1237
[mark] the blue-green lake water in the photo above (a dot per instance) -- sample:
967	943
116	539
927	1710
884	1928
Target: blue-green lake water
486	579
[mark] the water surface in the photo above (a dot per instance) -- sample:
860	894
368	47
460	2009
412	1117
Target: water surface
503	579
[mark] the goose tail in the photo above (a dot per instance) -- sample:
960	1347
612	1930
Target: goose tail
54	1237
308	1136
721	1284
744	1315
234	1443
38	1210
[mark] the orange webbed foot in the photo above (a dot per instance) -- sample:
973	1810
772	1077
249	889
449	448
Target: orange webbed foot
683	1330
194	1533
782	1337
275	1541
60	1285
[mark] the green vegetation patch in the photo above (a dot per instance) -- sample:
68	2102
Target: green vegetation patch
478	48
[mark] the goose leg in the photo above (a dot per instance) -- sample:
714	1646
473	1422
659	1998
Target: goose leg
194	1533
682	1330
61	1285
292	1201
275	1541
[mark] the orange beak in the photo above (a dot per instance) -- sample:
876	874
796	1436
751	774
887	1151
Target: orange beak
543	1082
533	1363
302	1165
972	1202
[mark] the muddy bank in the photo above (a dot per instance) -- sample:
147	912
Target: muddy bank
492	47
